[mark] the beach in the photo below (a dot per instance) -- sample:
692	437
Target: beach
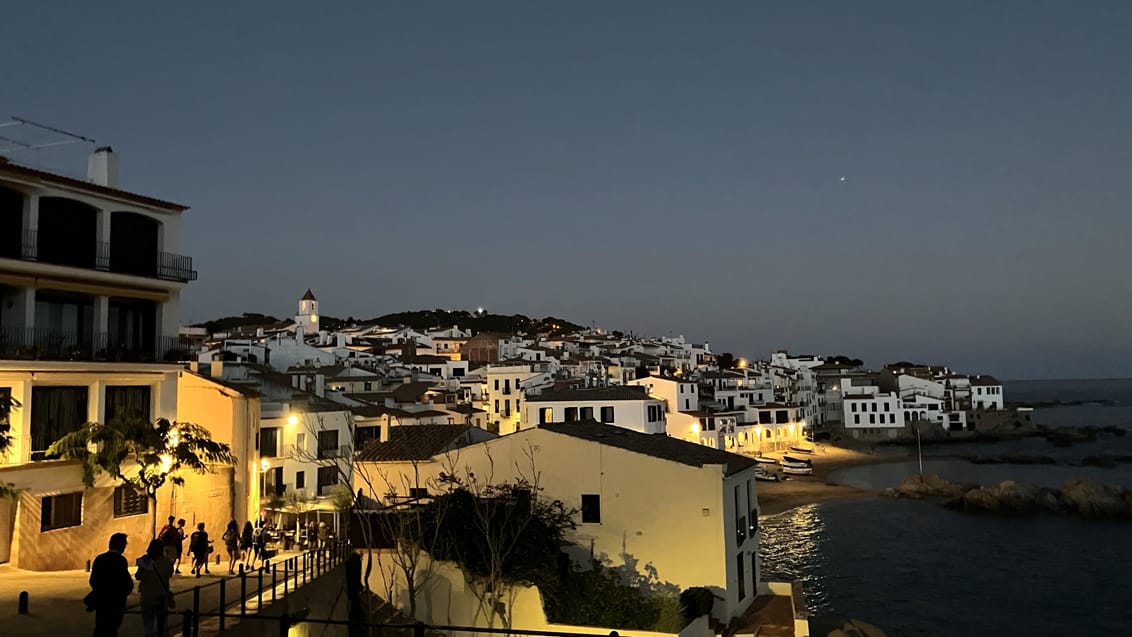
776	497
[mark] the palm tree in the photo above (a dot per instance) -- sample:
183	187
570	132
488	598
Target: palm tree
142	455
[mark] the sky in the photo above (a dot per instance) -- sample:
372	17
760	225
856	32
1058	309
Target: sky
945	182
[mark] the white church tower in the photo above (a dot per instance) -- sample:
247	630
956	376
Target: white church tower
307	318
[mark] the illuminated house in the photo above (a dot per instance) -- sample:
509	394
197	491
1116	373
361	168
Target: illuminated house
90	284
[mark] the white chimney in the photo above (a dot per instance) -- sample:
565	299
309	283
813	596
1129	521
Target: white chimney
299	333
341	340
102	167
320	385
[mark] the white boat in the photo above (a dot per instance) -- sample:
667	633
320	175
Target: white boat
766	476
798	470
765	460
794	460
801	449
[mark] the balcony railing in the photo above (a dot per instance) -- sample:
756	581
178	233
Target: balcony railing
327	453
45	344
167	266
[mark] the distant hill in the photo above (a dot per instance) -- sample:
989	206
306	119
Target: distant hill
431	319
418	319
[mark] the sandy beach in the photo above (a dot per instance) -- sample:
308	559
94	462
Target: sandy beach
776	497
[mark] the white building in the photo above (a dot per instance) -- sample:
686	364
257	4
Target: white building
308	316
506	388
628	407
303	450
612	476
873	415
90	283
986	393
677	392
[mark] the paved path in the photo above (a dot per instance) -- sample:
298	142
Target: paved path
56	608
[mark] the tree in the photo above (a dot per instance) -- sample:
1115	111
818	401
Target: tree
726	360
7	406
142	455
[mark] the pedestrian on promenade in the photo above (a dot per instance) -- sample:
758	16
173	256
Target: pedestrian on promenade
247	541
170	539
110	586
259	541
323	535
200	546
231	539
154	570
180	544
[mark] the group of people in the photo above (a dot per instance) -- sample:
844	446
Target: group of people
111	582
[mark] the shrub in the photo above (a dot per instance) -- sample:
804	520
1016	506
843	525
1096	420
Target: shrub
696	602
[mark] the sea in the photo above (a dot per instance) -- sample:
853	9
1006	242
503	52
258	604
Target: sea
914	568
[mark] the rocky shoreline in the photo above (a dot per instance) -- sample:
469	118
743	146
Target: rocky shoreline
1083	498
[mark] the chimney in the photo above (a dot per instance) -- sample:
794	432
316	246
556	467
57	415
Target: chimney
259	332
323	337
385	429
216	369
320	385
341	340
102	167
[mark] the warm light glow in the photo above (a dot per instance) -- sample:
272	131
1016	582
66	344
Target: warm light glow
292	420
264	464
166	463
174	438
695	427
742	363
314	318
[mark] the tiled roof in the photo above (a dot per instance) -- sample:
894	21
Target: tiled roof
63	180
415	442
410	392
984	379
655	445
598	393
309	296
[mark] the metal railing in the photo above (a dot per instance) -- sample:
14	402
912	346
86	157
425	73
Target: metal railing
166	265
39	343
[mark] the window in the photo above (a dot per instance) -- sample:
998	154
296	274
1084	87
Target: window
872	419
781	417
740	520
327	477
61	511
892	419
752	520
886	404
497	389
545	415
853	407
742	576
301	438
300	479
268	442
127	402
418	492
591	508
856	419
327	444
497	405
55	412
687	404
607	414
5	408
129	502
874	406
571	414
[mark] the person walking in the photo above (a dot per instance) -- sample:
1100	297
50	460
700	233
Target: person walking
200	547
259	542
110	586
153	574
231	539
170	539
180	545
247	540
323	535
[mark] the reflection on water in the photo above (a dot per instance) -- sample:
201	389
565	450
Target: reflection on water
914	568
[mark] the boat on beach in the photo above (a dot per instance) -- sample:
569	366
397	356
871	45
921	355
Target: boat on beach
766	475
798	470
765	460
801	449
793	460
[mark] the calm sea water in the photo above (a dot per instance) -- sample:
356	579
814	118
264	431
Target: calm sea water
916	569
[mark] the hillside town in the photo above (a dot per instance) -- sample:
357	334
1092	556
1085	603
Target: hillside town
630	433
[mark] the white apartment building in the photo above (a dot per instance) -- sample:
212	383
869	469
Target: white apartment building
678	393
303	449
873	415
90	283
506	387
628	407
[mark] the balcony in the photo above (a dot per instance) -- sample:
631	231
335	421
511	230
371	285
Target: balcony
45	344
329	453
162	265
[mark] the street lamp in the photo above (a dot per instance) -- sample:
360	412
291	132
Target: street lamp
264	465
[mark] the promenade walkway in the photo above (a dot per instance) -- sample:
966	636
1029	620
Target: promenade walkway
55	598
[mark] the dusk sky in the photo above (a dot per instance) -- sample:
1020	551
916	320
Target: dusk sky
654	166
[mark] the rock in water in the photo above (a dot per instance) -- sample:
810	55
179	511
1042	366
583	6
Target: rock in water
1018	497
1097	500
